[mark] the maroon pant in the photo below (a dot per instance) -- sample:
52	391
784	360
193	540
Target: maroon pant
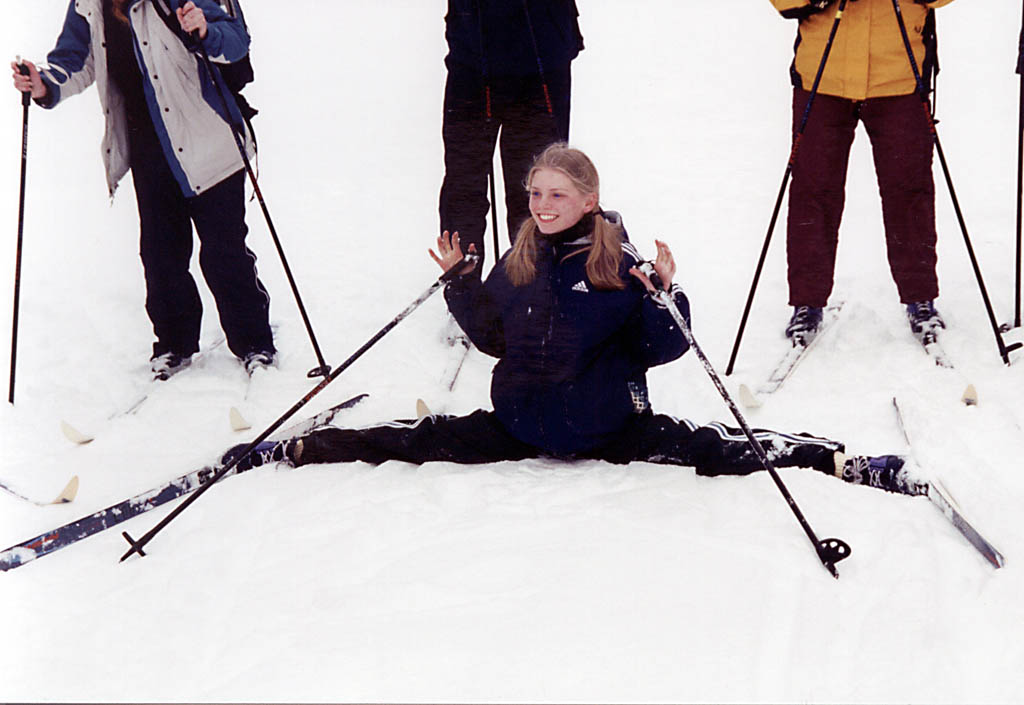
902	145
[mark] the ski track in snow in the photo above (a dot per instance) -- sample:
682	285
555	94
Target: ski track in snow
532	581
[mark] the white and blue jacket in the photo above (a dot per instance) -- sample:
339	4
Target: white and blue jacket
184	105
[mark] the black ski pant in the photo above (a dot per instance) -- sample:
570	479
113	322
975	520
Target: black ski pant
477	110
713	449
165	246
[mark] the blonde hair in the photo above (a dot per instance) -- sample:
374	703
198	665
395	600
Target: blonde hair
605	250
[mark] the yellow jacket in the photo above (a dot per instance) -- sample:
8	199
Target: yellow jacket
868	57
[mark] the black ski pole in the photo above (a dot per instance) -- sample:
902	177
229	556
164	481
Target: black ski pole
323	369
494	211
540	64
26	98
1020	172
829	551
785	182
1004	350
137	545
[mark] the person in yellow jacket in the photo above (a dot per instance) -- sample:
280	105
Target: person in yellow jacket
867	79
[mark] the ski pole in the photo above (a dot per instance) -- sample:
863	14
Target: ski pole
785	182
1020	172
830	551
26	98
323	369
137	545
494	211
540	64
1004	350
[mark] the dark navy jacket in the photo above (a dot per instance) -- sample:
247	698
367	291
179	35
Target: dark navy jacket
572	358
503	29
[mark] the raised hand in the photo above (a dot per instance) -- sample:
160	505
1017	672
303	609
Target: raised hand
664	265
449	252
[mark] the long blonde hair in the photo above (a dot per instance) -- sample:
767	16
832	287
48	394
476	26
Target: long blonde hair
605	251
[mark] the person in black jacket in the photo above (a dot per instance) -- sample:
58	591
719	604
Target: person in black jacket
568	315
508	73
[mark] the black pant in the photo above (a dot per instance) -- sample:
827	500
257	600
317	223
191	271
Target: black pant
518	106
655	438
229	267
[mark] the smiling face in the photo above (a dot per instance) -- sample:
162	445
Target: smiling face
555	202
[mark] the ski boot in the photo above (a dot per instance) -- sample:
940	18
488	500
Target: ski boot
804	324
885	472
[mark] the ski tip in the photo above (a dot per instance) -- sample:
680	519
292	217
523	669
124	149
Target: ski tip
970	396
238	422
68	493
422	409
74	435
748	399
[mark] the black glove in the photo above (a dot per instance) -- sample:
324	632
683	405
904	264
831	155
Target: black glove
812	8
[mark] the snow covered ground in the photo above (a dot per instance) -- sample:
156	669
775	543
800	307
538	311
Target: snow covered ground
529	581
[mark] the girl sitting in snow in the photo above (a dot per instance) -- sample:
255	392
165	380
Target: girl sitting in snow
568	315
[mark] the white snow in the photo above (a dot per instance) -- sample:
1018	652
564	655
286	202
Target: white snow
517	582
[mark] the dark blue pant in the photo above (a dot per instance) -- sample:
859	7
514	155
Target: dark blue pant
713	449
518	108
229	267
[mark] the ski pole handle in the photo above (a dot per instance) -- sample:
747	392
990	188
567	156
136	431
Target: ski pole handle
26	96
455	270
648	269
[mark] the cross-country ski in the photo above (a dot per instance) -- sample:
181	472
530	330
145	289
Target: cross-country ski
63	497
910	414
796	351
63	536
81	434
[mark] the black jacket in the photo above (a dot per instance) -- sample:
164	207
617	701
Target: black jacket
502	28
572	358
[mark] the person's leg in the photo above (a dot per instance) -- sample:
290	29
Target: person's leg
469	135
476	438
902	144
817	195
229	267
716	449
526	129
165	247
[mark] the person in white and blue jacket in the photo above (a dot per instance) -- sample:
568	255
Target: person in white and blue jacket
165	122
567	314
